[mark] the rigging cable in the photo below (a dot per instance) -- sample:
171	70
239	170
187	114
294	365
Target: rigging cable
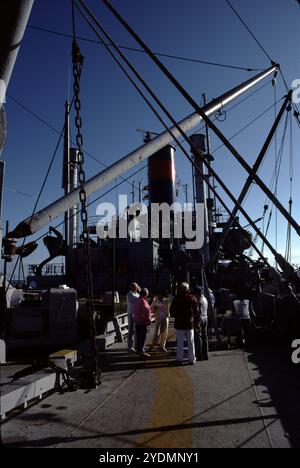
262	219
47	124
295	107
249	30
280	154
159	54
234	106
276	169
43	121
206	178
296	113
276	173
247	217
242	130
267	231
248	125
42	189
55	130
202	114
288	250
24	194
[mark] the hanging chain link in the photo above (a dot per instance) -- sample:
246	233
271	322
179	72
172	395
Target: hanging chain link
94	371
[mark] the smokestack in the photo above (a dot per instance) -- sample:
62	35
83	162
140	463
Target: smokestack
162	176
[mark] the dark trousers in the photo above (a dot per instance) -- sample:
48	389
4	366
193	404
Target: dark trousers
130	332
201	340
246	329
140	334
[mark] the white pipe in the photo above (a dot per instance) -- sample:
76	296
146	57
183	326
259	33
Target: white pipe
47	215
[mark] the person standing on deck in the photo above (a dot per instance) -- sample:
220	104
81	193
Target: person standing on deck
201	338
243	309
132	297
160	308
211	312
142	319
184	308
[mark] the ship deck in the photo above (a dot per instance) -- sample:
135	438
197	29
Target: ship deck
237	399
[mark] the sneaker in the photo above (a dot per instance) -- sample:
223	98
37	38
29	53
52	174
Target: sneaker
164	349
146	355
131	350
192	363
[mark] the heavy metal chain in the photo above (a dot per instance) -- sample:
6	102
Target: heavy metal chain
94	371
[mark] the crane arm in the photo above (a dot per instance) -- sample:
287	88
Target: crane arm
45	216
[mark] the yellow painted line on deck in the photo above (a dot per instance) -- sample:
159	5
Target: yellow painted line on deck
173	409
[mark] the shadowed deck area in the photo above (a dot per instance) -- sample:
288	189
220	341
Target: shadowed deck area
236	399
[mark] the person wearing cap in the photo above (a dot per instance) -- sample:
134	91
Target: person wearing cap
200	332
184	308
132	297
142	319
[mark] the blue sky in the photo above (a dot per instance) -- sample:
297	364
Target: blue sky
112	109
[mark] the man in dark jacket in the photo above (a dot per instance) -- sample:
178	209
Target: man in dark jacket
184	309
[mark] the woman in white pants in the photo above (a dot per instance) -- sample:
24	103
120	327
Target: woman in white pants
160	308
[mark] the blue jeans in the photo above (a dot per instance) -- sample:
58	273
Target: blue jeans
201	340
